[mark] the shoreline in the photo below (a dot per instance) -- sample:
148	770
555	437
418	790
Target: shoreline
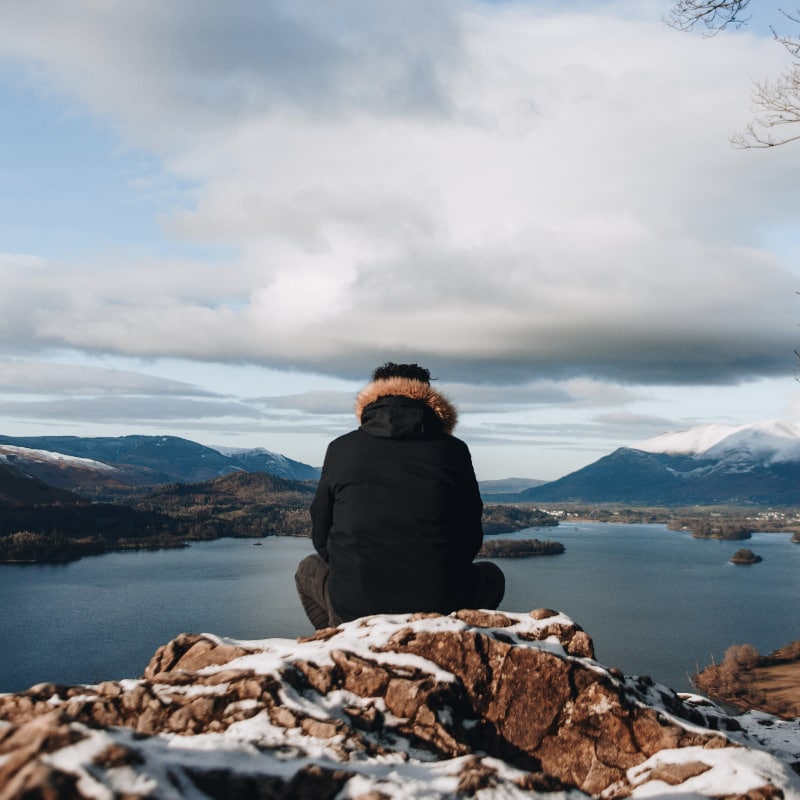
751	682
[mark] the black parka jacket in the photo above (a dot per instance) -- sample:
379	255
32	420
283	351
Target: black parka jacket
397	513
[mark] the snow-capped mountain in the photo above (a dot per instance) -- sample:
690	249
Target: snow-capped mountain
259	459
102	464
755	464
772	439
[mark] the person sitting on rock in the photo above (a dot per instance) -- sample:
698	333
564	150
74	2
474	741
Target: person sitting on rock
396	519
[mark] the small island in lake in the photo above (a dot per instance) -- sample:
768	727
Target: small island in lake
519	548
507	519
713	528
745	556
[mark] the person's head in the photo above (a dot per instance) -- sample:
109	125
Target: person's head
391	370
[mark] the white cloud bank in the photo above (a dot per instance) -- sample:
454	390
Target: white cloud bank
500	190
537	200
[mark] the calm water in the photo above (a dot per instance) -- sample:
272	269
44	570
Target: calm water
655	602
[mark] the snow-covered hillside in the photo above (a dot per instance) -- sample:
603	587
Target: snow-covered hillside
11	453
138	461
773	440
259	459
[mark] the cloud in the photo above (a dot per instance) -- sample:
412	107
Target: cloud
562	437
128	410
314	402
43	378
469	398
510	398
502	192
627	423
194	67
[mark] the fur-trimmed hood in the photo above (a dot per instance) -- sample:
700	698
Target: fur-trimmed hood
413	389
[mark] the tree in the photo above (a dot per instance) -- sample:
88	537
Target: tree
715	16
778	99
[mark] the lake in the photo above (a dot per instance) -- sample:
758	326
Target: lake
655	602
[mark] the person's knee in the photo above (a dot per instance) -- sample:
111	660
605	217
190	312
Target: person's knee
310	569
311	580
490	584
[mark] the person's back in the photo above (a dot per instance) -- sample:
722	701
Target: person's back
397	513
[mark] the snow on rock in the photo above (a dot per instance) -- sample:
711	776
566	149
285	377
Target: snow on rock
776	440
483	704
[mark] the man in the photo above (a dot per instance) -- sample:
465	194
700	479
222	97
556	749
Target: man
396	520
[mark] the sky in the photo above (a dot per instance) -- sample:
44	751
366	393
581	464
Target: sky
217	219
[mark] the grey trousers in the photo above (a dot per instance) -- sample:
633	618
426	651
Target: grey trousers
311	579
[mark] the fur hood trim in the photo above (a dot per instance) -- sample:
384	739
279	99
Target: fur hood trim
416	390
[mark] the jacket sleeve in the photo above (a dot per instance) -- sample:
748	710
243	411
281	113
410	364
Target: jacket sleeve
472	505
322	511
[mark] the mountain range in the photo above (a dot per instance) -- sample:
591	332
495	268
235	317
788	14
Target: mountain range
755	464
156	492
108	466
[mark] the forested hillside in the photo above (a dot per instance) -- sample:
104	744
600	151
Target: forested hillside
39	523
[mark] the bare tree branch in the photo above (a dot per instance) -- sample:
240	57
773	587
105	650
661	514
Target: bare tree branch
715	15
791	43
778	102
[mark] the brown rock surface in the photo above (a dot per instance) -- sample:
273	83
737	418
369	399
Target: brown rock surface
468	692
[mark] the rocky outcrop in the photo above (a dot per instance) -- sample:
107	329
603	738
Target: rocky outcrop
476	703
